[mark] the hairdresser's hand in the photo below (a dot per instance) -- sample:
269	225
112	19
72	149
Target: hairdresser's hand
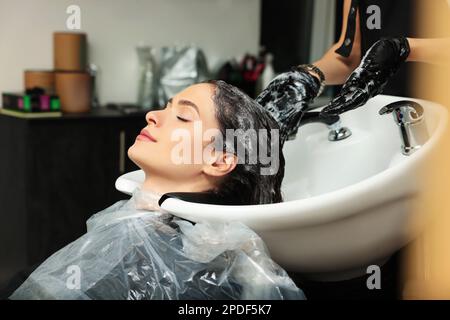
287	97
379	64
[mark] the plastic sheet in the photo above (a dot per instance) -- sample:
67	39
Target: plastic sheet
133	251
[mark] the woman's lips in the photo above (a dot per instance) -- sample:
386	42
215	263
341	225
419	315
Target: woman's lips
145	136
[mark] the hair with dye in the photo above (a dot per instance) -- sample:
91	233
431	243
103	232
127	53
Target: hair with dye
236	110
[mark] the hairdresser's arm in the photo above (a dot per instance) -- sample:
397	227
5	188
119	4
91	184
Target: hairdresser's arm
288	95
335	67
435	51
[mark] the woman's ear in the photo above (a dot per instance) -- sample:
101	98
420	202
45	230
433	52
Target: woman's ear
221	164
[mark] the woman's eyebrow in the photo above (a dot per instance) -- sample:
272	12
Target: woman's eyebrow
189	103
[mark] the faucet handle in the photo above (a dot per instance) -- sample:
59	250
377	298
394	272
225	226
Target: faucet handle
409	117
405	111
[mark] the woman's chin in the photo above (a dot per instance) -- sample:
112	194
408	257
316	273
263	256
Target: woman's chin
139	158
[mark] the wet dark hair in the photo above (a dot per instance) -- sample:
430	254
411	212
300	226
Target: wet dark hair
245	184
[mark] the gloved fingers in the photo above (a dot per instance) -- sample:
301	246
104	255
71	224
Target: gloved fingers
345	102
274	92
263	98
278	99
294	84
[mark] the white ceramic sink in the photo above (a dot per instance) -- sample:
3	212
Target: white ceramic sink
347	203
322	166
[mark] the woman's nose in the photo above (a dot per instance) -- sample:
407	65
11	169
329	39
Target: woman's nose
152	118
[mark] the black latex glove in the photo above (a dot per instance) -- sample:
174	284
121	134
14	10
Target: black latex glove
287	97
379	64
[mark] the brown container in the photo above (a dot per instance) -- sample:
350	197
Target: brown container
70	51
74	91
44	79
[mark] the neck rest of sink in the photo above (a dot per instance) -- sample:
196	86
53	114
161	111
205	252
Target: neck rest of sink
202	197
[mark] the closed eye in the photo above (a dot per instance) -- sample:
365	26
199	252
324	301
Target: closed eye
182	119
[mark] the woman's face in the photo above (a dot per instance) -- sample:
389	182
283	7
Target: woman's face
157	152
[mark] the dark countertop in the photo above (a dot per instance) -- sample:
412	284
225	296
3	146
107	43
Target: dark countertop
98	113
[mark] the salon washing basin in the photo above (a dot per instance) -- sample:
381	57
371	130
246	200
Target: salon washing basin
348	204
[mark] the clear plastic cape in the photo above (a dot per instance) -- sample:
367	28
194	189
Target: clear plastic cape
132	250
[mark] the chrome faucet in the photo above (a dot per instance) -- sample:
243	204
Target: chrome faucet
409	116
333	122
